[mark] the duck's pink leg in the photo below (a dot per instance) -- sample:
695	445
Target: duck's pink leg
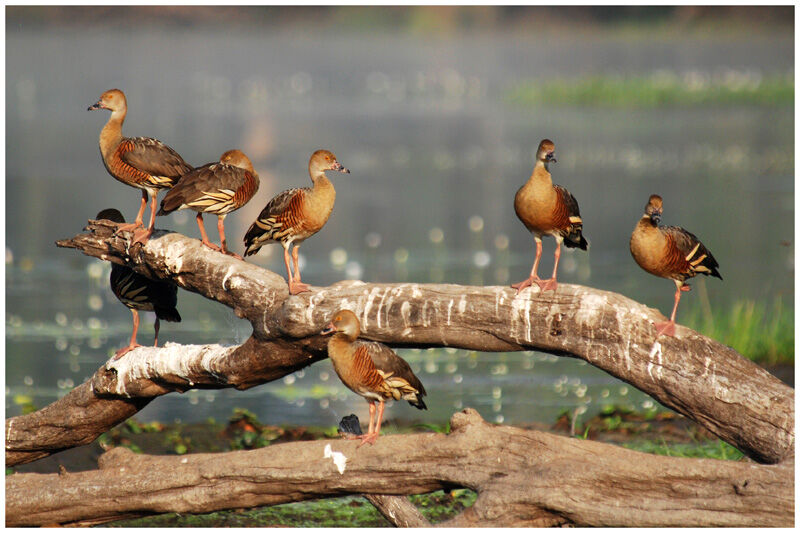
133	344
372	436
534	277
143	235
551	284
668	328
203	235
221	228
296	287
138	222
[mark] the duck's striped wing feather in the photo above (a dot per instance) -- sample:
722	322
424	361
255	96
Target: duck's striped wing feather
277	221
567	217
214	188
687	255
155	158
396	371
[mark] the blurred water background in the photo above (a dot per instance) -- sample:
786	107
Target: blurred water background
422	104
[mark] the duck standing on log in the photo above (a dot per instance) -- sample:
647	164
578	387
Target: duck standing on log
139	292
669	252
371	370
548	209
141	162
295	215
217	188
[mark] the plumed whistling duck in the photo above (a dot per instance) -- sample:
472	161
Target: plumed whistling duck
139	292
295	215
669	252
548	209
371	370
141	162
218	188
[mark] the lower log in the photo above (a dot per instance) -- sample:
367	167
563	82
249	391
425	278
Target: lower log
523	478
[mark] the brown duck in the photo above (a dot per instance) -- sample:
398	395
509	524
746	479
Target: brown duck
217	188
371	370
141	162
139	292
548	209
295	215
669	252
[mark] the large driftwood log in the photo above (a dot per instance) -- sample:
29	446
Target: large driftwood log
523	478
694	375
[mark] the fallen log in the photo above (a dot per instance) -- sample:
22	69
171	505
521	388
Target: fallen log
522	477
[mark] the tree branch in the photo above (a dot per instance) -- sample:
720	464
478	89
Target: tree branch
692	374
523	478
398	510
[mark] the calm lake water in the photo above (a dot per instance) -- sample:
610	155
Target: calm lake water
436	155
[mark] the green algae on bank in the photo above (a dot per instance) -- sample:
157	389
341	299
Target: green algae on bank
660	89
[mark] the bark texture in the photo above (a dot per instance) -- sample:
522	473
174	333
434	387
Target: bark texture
76	419
522	477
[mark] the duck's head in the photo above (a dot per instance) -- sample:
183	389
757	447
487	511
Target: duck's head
113	100
546	152
323	160
237	158
110	214
653	208
346	322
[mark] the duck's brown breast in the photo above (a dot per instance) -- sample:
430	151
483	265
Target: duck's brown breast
316	208
535	205
650	249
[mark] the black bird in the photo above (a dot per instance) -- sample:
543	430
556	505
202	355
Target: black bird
139	292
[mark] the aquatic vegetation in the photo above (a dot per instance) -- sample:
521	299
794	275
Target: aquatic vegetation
709	450
761	331
659	89
347	511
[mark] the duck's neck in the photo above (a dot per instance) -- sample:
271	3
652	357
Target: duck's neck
541	172
647	226
111	134
340	348
321	183
540	178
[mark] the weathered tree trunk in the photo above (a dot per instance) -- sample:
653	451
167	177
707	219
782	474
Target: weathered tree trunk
698	377
694	375
523	478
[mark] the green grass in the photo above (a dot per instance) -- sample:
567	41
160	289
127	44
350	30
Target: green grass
763	332
347	511
699	450
661	89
